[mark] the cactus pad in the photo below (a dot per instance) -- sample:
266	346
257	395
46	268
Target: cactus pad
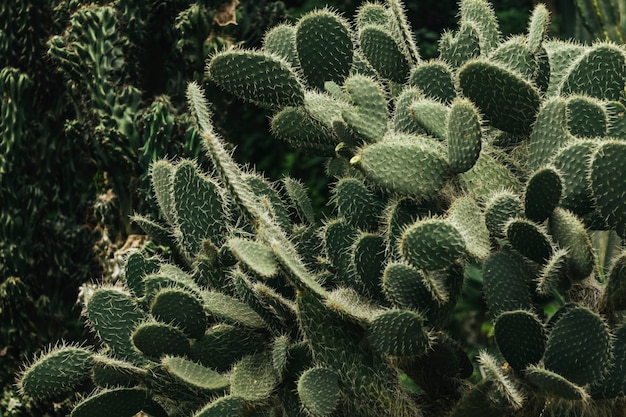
464	136
399	333
223	345
383	53
529	239
199	208
432	244
570	234
505	283
56	372
114	316
521	338
228	406
180	308
582	360
554	384
500	208
318	389
260	78
324	46
435	80
543	192
367	113
514	112
599	73
411	165
253	378
572	162
121	402
194	375
256	256
158	339
609	183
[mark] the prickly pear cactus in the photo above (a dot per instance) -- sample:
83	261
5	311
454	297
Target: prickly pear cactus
502	156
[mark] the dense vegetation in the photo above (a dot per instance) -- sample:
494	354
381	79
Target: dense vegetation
83	127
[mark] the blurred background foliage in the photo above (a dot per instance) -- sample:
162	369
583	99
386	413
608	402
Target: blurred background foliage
91	92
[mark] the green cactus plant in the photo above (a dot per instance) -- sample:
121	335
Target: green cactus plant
498	183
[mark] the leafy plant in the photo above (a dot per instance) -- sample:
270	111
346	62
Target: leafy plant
503	155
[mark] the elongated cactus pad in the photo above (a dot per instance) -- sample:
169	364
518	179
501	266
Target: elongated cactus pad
300	200
543	193
572	162
538	27
122	402
56	372
199	208
521	338
324	46
368	259
505	283
570	234
483	83
231	310
195	375
383	52
582	360
554	384
318	389
464	136
615	293
161	173
411	165
136	268
608	183
260	78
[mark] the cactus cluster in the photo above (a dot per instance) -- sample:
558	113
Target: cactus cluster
603	19
504	155
91	93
